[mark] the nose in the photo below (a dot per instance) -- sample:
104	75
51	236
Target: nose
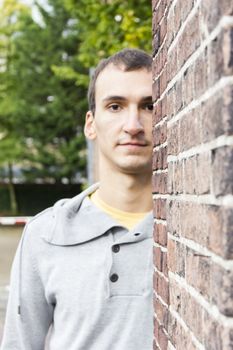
133	124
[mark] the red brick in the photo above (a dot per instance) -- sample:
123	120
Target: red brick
200	74
211	18
208	225
195	79
176	257
163	29
173	139
203	172
198	271
222	159
160	260
179	97
164	106
178	336
221	288
156	89
159	134
163	339
174	217
193	222
213	333
159	208
188	309
160	158
185	10
197	174
160	11
171	34
161	312
191	136
172	64
164	269
163	56
157	66
159	183
160	234
219	229
157	113
170	177
157	258
156	41
184	47
155	346
175	296
188	82
161	287
156	328
177	16
220	104
155	281
177	176
163	81
169	99
219	8
187	47
190	175
220	60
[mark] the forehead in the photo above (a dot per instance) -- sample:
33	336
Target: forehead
115	81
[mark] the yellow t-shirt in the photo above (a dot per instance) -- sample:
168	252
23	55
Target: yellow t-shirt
126	219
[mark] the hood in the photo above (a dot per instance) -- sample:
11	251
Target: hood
68	225
66	219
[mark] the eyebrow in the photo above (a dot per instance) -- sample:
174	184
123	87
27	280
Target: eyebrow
121	98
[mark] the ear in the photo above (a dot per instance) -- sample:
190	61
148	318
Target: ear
89	127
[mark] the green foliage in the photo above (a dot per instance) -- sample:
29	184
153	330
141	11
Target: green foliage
105	27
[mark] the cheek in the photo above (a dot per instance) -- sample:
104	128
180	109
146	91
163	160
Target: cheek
108	128
148	127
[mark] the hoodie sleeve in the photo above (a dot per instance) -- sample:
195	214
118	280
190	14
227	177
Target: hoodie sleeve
29	314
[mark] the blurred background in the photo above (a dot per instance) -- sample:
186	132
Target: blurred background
48	50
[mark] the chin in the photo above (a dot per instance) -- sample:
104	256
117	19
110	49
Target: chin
136	169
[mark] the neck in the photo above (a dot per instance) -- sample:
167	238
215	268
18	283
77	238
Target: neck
127	192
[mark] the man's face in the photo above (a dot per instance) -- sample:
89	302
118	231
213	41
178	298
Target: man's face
122	124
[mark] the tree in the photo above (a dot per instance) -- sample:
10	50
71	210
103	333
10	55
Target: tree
50	109
11	149
106	26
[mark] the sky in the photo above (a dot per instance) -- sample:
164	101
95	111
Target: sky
35	14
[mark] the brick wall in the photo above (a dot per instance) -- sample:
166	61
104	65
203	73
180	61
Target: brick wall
193	174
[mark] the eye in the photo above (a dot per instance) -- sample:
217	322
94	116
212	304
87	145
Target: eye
114	107
148	107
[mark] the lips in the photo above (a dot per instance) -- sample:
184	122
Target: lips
133	143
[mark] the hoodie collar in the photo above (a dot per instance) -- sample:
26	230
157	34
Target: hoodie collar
78	220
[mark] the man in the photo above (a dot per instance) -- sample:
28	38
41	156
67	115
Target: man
84	267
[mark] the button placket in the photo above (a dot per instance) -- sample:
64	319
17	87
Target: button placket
114	277
116	248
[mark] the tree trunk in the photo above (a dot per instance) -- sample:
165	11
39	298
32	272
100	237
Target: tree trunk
13	201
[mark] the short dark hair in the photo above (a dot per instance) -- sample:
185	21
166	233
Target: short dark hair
128	59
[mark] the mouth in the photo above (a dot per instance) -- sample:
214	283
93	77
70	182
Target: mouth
133	145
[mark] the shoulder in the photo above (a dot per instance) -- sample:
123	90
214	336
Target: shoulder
55	218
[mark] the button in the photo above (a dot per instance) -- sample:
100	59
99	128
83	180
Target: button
114	277
116	248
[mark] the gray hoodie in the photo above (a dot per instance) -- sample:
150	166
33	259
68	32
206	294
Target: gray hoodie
88	279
